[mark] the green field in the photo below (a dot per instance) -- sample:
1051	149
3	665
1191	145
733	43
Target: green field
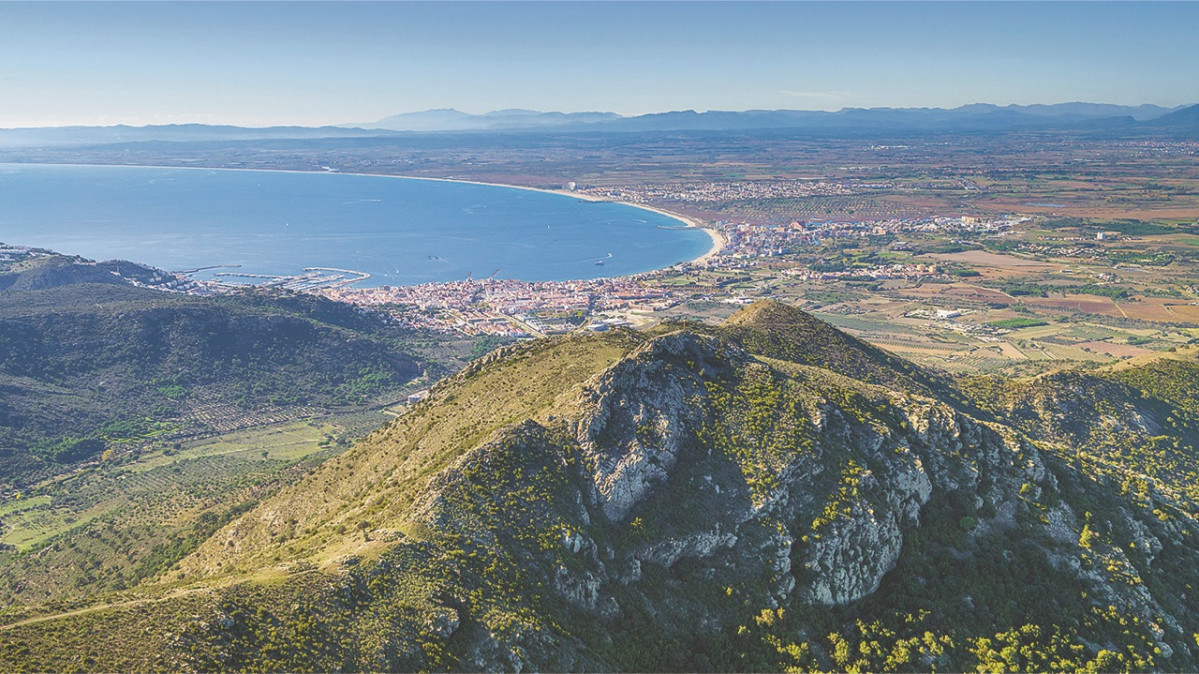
1017	323
283	442
19	504
162	487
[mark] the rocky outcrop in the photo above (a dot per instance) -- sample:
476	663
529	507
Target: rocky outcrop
641	416
696	489
851	555
637	416
696	546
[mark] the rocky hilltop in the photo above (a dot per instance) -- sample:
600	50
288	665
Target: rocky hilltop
762	495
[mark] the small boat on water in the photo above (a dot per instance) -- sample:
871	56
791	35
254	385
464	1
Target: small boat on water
599	263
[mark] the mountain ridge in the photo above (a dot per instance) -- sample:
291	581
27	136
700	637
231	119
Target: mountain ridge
974	118
697	498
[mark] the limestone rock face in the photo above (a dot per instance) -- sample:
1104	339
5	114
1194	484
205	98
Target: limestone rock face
697	546
937	450
580	589
641	418
638	416
850	559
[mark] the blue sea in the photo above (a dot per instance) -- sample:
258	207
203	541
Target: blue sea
401	231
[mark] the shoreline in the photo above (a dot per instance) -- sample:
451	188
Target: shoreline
718	239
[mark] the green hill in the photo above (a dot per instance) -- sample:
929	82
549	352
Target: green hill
783	332
1142	417
84	367
764	495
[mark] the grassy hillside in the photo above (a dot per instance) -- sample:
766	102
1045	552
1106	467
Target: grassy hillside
776	330
135	422
765	495
372	488
87	367
1139	421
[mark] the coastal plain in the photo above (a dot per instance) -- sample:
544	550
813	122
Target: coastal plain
886	235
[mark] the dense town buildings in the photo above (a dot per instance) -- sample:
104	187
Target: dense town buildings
515	309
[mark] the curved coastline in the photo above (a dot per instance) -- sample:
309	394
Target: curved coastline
718	239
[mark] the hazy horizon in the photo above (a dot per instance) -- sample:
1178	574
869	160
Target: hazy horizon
346	124
318	63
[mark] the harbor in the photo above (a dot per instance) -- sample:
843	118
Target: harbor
313	278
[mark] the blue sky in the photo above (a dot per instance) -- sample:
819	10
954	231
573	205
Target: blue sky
328	63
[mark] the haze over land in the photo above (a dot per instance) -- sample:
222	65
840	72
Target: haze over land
975	117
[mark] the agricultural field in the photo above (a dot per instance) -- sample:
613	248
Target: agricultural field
64	503
1048	293
1013	310
127	519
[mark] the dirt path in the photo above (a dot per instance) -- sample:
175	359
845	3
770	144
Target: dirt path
103	607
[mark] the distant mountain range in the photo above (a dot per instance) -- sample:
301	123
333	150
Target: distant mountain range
980	114
976	118
1183	118
448	119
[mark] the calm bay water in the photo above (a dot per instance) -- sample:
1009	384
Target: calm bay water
401	231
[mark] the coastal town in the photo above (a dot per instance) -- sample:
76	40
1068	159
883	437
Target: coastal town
508	308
